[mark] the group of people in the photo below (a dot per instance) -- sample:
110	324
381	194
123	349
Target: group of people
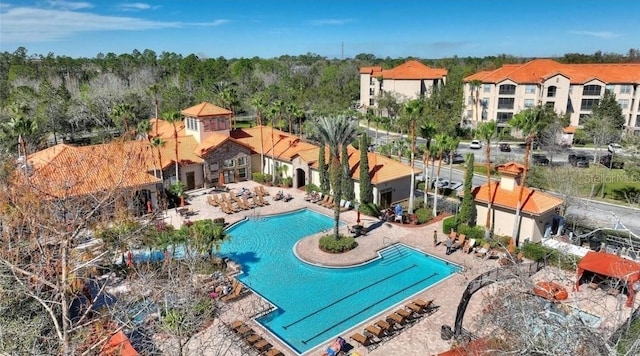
392	213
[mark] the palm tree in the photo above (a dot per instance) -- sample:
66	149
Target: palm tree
530	122
487	131
153	90
229	99
441	144
411	113
336	133
20	127
122	114
275	112
452	145
259	103
475	94
299	115
173	117
427	131
157	143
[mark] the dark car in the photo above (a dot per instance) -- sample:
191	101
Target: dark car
504	147
579	160
611	162
539	160
457	158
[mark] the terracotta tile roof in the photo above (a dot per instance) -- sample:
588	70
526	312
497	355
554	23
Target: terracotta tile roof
165	129
414	70
65	170
511	167
370	70
569	130
538	70
187	152
213	141
118	345
534	201
381	168
205	109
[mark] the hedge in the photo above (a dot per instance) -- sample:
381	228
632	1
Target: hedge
423	215
344	243
448	224
537	252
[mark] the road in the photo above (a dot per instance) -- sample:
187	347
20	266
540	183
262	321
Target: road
596	212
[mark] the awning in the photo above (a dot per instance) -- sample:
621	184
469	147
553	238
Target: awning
610	265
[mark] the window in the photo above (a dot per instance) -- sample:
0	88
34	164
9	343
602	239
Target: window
242	173
638	121
484	102
214	167
242	161
587	104
504	117
507	89
505	103
592	90
551	92
626	89
228	163
372	81
528	103
486	88
372	91
530	89
372	101
610	89
624	103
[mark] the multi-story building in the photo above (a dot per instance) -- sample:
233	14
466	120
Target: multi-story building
407	81
569	88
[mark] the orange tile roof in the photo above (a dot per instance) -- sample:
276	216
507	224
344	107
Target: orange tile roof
370	70
511	167
569	130
118	345
534	201
538	70
414	70
187	152
165	129
285	146
213	141
65	170
205	109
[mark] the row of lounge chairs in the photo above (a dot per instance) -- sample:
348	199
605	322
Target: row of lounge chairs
327	201
230	204
253	339
385	329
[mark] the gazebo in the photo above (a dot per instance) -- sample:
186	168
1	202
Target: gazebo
613	266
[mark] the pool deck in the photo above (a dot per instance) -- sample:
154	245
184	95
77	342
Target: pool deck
423	338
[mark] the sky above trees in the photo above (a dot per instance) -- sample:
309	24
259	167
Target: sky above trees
385	28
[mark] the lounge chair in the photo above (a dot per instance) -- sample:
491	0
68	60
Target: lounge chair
237	324
211	201
244	330
459	243
483	251
414	307
374	332
329	204
253	338
403	313
262	200
317	198
247	203
468	246
361	339
235	294
396	319
262	345
423	303
323	201
263	191
453	235
384	325
273	352
256	201
347	206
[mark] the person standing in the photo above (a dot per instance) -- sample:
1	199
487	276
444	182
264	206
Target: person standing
435	238
448	244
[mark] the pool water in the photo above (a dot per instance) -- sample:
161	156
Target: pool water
315	304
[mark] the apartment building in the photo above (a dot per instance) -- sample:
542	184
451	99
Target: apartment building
407	81
568	88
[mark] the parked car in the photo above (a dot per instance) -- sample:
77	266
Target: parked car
615	148
539	160
475	145
457	158
612	162
504	147
579	160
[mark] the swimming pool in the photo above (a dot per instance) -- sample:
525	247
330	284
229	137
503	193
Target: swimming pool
315	304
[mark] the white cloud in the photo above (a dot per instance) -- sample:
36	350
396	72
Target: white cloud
26	24
330	22
602	34
213	23
70	5
137	6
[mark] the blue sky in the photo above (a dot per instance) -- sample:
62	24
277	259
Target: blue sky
244	28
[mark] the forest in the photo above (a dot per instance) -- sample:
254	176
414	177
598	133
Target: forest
48	99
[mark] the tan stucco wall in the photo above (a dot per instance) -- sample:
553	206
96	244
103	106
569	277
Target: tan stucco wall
198	174
531	227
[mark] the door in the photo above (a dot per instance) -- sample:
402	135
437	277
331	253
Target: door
229	176
385	198
191	180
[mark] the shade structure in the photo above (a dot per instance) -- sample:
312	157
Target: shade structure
613	266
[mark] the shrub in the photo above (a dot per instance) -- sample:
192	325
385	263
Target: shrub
267	178
472	232
448	224
218	221
311	188
423	215
537	252
370	209
342	244
288	181
258	177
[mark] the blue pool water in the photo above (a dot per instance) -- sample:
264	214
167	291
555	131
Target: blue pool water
316	304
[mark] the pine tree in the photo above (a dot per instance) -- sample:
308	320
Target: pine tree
322	170
467	211
347	180
366	190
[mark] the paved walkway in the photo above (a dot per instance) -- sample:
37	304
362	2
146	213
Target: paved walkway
421	339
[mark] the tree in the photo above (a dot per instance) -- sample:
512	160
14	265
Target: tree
173	117
413	111
467	208
325	185
154	90
158	143
229	99
19	130
609	109
347	181
605	123
487	131
530	122
427	131
122	115
475	94
442	142
366	189
336	133
259	103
